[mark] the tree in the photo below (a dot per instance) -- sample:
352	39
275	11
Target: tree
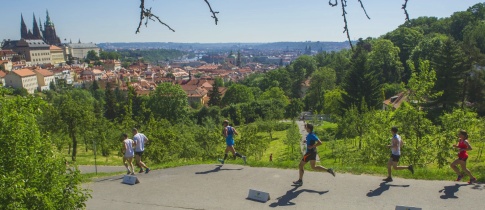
110	106
33	176
76	114
322	80
384	60
332	99
292	140
92	55
169	102
214	94
406	39
294	109
237	94
275	93
361	83
451	68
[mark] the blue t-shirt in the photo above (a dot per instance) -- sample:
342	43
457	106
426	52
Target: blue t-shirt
230	136
311	139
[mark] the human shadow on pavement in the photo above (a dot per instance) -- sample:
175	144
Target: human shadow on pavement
217	169
383	187
285	200
449	191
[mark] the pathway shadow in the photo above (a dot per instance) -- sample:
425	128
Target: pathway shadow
383	187
449	191
285	200
217	169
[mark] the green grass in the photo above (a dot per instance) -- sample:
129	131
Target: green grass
278	149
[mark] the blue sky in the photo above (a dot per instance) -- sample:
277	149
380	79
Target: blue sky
239	20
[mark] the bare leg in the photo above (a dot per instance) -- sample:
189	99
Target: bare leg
139	163
301	167
130	162
395	167
317	168
463	168
389	167
453	166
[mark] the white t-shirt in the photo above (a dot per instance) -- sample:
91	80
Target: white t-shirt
129	152
398	150
140	139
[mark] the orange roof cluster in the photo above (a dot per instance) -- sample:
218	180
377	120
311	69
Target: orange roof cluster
24	72
44	72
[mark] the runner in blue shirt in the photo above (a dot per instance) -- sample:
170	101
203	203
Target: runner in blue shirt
312	143
229	133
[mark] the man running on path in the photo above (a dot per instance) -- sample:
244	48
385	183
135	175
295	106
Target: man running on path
229	133
396	144
140	141
312	143
128	152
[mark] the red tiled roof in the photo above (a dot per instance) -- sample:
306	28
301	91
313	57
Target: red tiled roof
24	72
2	74
44	72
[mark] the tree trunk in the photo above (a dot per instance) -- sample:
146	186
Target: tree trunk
69	150
74	147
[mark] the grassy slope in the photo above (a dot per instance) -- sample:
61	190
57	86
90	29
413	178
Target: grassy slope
277	148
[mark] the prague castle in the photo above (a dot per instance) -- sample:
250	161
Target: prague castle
46	33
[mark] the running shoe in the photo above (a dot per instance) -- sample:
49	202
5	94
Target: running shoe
299	182
128	173
146	171
388	179
472	180
221	161
459	178
244	159
141	170
331	172
411	168
132	173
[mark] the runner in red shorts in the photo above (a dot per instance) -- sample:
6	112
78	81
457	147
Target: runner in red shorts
463	146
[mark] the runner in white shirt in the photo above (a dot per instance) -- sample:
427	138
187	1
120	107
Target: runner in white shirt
128	151
140	141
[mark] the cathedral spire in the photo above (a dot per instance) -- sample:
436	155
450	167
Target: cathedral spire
23	27
36	31
48	21
40	25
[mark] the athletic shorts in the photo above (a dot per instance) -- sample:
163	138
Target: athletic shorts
139	153
128	157
309	156
230	143
464	159
395	158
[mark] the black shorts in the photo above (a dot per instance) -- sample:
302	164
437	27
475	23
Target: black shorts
309	156
139	153
395	158
464	159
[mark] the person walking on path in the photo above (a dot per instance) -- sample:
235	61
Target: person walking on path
229	133
140	141
128	152
312	142
396	144
463	146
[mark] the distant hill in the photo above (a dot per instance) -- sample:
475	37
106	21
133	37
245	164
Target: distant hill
280	46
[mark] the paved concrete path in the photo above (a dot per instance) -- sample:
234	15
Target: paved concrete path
102	169
226	187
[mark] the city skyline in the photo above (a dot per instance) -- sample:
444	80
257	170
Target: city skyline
248	21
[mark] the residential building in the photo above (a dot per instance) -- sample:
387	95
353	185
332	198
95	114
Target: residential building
7	54
6	65
35	51
44	79
2	78
23	78
112	65
57	55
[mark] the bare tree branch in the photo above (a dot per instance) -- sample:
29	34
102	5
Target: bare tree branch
212	11
332	4
362	5
405	10
346	28
148	15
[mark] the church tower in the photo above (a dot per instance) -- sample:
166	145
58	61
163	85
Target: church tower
23	28
50	36
36	33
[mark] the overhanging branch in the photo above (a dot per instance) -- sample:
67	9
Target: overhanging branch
148	15
404	7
